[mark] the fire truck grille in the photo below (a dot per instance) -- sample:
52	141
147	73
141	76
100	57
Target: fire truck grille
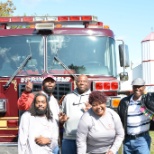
60	89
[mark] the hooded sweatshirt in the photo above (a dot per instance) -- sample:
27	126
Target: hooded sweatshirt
72	106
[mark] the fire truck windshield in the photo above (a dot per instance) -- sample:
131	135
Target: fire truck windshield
81	54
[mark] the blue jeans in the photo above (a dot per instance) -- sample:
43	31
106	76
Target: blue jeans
69	146
140	145
56	150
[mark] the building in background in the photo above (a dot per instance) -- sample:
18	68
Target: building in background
143	68
147	48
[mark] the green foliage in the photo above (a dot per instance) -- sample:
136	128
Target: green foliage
7	8
152	143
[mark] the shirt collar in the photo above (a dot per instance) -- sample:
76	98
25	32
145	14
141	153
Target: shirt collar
138	100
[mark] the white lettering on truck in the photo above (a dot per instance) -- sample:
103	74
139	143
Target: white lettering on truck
40	79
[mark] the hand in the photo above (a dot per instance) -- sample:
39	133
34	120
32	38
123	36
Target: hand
87	107
61	100
42	140
28	86
109	152
63	117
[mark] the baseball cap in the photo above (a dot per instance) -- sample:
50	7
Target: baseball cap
48	76
138	82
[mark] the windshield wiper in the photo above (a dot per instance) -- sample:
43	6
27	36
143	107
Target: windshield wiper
64	66
17	71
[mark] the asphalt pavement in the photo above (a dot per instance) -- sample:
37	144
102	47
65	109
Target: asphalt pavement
8	150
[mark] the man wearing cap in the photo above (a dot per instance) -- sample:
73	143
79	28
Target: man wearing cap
48	86
135	122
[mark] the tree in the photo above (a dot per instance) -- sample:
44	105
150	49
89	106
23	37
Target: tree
7	8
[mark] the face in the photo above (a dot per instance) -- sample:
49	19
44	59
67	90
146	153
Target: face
49	85
138	91
99	108
41	105
82	84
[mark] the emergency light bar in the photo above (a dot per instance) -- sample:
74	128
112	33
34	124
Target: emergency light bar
58	21
97	25
106	85
35	19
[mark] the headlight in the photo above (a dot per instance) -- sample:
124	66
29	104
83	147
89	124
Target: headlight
3	105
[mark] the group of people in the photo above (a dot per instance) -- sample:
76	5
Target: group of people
89	127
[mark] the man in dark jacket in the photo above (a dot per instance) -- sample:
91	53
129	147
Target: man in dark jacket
136	123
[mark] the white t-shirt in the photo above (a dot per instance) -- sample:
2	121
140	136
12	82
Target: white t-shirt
32	127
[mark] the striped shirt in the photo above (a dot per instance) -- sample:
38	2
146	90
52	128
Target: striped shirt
137	122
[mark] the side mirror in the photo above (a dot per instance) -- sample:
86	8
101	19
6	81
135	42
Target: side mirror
123	76
123	55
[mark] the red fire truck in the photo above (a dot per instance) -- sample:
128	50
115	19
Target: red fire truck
64	46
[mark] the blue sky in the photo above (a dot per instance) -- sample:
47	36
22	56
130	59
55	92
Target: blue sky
130	20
